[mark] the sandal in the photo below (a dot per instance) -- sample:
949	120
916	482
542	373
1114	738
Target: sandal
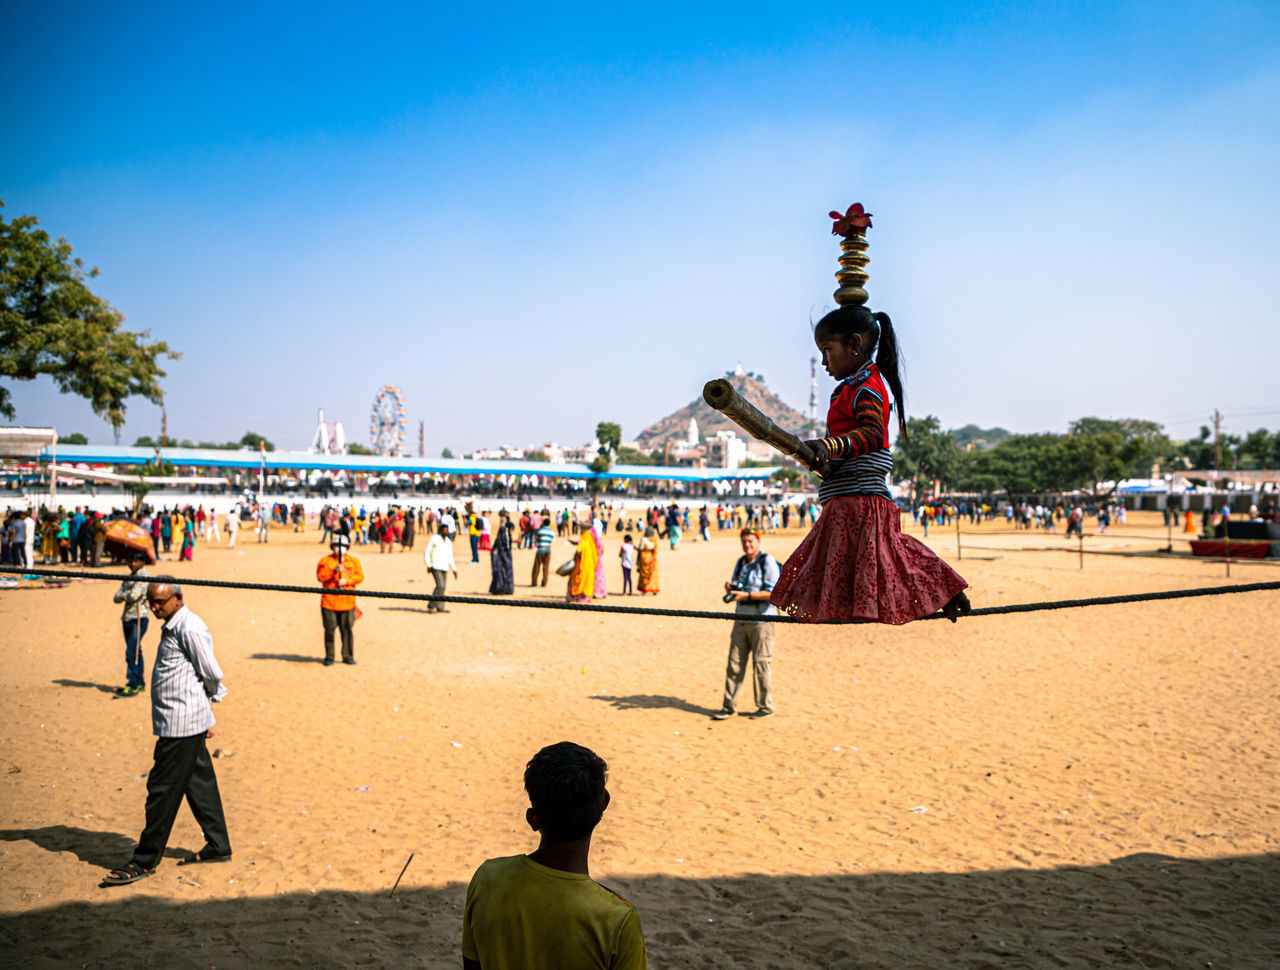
127	873
206	854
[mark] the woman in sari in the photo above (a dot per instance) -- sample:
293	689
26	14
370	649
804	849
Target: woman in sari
503	582
647	562
187	549
582	581
55	540
599	591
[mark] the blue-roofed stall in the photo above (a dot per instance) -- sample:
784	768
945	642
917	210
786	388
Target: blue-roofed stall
121	455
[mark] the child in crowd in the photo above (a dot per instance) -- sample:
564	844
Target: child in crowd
628	556
543	910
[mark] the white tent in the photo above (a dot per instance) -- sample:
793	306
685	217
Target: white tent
18	442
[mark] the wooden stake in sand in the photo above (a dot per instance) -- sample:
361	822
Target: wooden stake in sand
401	876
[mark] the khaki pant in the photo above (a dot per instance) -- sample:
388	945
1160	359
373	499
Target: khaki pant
541	561
751	642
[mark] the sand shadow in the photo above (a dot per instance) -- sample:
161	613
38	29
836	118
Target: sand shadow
1143	910
106	849
403	609
636	702
67	682
293	658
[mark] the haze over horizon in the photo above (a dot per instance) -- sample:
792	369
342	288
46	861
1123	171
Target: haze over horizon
532	221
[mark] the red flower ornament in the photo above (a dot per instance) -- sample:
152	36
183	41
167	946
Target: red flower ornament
853	223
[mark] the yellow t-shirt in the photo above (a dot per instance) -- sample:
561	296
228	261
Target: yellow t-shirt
524	916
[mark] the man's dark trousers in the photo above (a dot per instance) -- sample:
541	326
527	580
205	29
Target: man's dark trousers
341	620
441	577
182	768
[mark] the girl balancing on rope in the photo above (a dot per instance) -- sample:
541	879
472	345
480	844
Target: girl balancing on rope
855	564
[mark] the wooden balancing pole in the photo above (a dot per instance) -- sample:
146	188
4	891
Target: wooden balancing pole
721	395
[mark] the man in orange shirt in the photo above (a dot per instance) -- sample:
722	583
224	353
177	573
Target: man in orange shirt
338	611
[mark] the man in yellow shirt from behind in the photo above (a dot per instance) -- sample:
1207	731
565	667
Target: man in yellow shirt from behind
543	911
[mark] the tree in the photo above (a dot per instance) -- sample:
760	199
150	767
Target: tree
535	456
788	477
1141	443
353	448
1261	446
609	435
140	488
52	323
929	452
251	439
633	456
75	438
1197	452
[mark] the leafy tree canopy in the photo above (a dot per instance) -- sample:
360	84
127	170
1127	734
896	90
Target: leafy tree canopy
251	439
52	323
633	456
354	448
929	452
609	435
76	438
444	452
535	456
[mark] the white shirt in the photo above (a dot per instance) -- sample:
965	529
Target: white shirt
439	554
184	678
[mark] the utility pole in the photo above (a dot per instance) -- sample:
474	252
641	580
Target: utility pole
422	438
1217	440
813	395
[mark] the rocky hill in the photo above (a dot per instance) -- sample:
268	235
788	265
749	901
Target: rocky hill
675	426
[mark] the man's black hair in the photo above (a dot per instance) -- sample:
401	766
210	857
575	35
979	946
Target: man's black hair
565	782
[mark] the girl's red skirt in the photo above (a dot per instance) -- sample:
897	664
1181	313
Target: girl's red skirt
857	565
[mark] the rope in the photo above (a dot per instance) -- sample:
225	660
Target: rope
1172	594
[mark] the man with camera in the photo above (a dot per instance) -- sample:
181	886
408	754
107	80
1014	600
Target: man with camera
753	580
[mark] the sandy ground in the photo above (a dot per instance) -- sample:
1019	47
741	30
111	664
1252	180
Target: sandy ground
1093	787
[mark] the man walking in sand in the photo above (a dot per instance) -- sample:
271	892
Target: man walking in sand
184	680
754	576
133	593
440	562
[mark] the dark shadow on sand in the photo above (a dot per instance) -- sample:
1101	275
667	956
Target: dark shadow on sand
633	702
1144	910
67	682
106	849
293	658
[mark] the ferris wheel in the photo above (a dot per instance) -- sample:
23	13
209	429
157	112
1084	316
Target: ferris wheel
386	423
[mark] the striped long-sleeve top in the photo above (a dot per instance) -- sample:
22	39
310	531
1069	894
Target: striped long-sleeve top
858	437
185	678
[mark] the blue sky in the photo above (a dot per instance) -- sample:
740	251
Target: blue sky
533	220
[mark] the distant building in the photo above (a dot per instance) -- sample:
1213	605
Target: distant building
725	450
501	453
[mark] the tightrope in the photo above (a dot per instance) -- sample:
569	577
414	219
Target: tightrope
1172	594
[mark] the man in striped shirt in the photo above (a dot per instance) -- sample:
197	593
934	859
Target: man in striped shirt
184	680
543	536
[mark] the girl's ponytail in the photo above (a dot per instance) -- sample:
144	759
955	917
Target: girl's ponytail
889	361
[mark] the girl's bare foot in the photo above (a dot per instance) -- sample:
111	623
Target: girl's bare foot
956	607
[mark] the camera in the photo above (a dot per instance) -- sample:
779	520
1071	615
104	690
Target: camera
734	588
